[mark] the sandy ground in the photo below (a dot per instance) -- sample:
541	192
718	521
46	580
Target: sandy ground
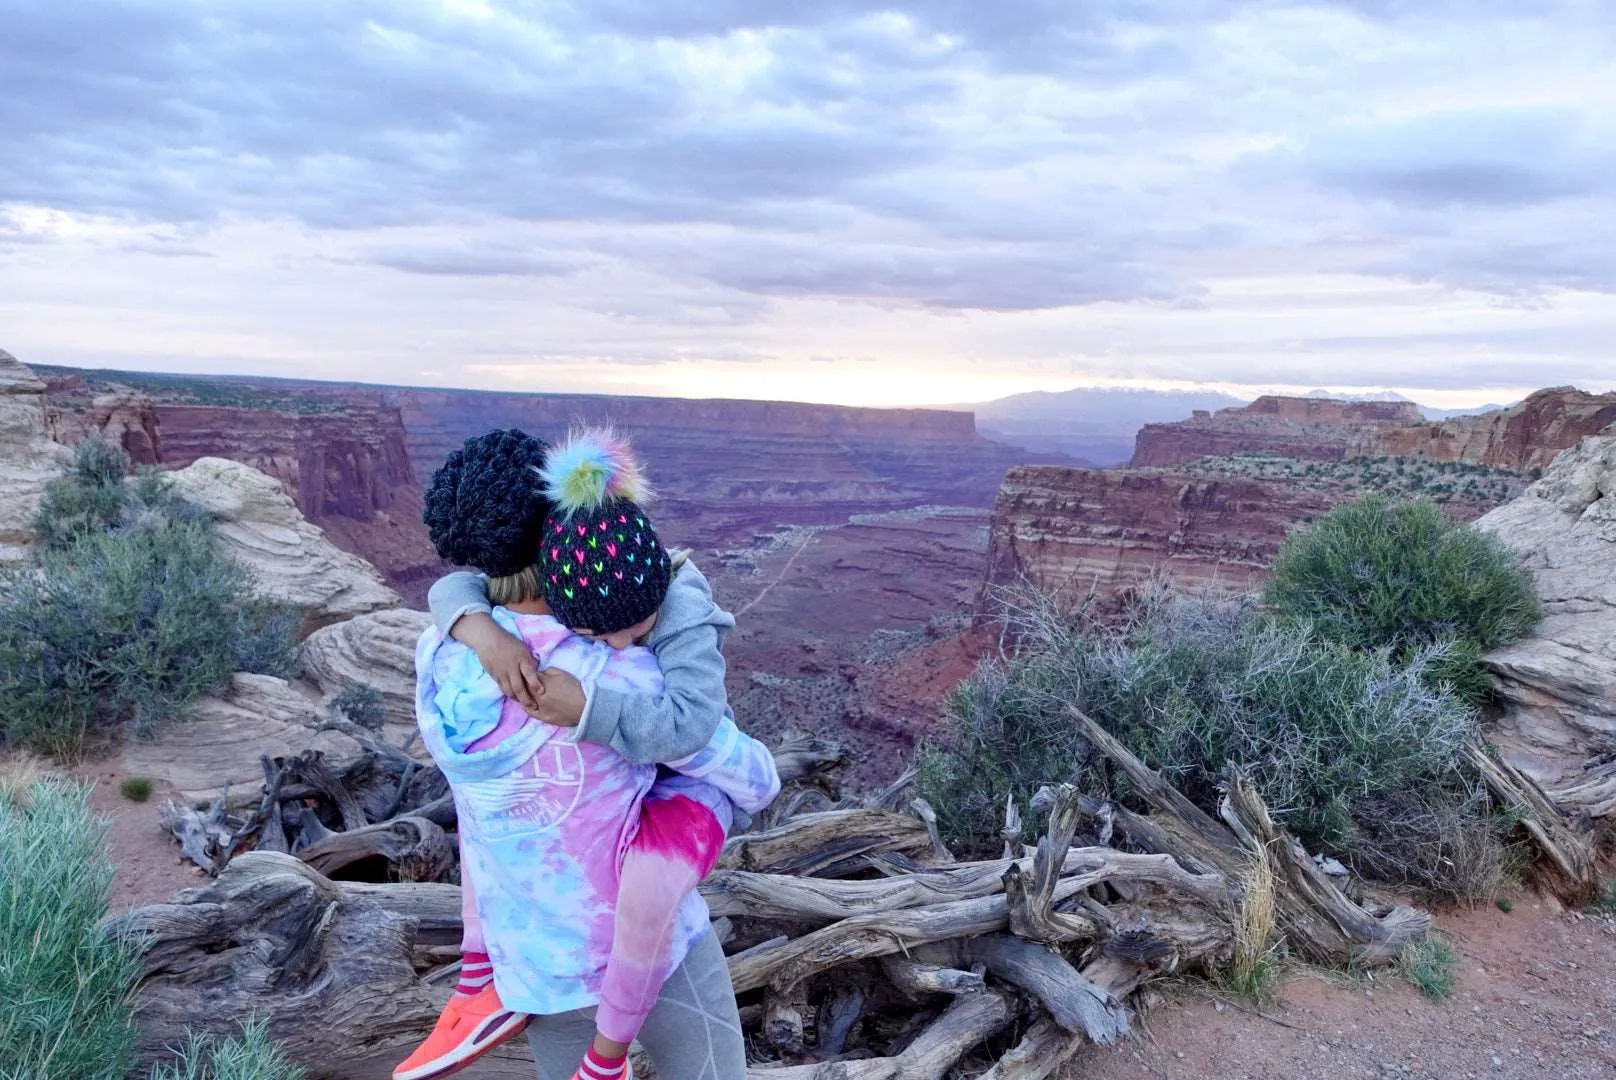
1534	997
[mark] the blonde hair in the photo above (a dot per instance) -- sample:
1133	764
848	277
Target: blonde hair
524	586
518	588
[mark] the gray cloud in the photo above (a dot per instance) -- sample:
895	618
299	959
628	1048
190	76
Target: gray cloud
471	262
722	157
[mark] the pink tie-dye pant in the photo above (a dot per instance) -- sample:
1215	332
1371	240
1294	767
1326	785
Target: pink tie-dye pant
677	845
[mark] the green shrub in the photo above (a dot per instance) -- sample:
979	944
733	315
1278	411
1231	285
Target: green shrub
362	704
1430	965
65	982
89	498
249	1056
1378	573
136	788
1358	754
126	628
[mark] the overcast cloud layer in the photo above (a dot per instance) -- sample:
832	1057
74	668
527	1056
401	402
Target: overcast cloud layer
937	200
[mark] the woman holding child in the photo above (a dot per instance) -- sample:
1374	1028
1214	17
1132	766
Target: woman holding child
585	827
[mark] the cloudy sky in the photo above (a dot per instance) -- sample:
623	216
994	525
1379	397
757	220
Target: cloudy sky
837	200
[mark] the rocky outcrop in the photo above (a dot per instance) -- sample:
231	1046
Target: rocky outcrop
123	416
1313	429
1522	437
292	559
29	458
347	461
376	650
1559	686
1073	531
221	738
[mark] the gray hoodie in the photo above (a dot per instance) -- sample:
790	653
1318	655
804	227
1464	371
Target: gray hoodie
687	639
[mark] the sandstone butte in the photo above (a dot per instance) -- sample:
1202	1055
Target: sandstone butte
1524	436
1080	530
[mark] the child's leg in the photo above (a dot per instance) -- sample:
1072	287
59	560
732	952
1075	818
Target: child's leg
476	971
677	845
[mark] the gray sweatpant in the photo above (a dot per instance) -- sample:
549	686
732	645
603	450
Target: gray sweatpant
694	1033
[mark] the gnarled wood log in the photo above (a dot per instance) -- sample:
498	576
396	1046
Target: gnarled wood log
326	965
963	1025
1569	868
813	842
918	979
1318	918
1072	1001
415	847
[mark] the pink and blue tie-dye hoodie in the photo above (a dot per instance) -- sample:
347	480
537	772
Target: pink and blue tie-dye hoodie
545	819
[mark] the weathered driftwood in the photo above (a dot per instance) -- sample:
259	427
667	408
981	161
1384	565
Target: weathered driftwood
1040	1054
417	849
918	979
814	842
1318	918
962	1026
1072	1001
326	965
847	927
1567	858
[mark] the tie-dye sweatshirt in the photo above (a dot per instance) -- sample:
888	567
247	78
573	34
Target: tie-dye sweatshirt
545	819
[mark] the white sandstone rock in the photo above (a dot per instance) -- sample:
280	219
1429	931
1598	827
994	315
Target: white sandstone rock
1559	685
29	459
377	650
221	738
292	558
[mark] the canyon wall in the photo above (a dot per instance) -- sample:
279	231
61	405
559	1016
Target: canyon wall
1522	437
1314	429
726	469
1525	436
1070	531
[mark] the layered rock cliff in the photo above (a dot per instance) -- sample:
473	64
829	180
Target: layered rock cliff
1315	429
342	457
725	469
1522	437
1073	531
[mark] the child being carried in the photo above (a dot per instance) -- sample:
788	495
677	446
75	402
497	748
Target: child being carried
570	852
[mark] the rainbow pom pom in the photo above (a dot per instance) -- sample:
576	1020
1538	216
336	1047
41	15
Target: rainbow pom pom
590	468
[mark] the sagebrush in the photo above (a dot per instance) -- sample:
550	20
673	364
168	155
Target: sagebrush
125	624
64	979
1380	573
1357	752
248	1056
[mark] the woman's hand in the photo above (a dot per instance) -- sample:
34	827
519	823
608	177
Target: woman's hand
505	657
561	701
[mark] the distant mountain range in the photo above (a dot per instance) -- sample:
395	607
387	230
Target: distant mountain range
1096	425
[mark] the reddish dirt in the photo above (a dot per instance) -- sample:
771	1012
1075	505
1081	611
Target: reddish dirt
1533	1000
148	863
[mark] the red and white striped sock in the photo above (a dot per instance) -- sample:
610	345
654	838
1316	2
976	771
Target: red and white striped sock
596	1067
476	972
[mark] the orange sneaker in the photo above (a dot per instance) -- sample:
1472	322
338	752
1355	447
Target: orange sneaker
468	1029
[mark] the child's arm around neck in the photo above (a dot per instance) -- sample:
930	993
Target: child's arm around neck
644	728
687	640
